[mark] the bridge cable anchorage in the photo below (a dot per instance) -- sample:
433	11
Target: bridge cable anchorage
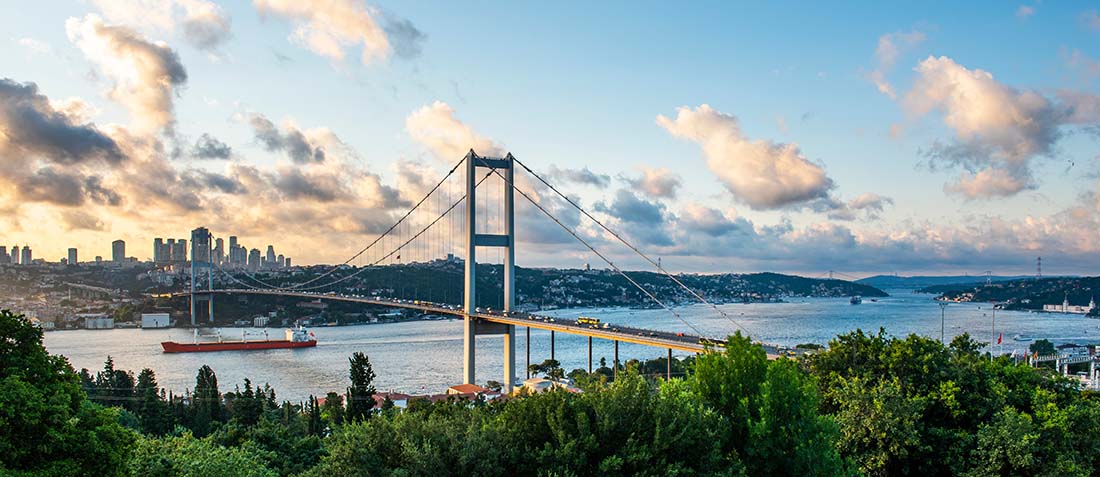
375	241
632	247
455	204
602	257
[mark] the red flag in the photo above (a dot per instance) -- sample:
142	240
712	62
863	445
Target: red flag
999	336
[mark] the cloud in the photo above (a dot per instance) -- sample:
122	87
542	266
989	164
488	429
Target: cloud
74	220
1025	11
760	173
638	218
436	127
205	25
407	40
33	127
870	204
60	187
656	182
328	28
1091	19
209	147
145	75
711	221
999	130
34	46
890	48
299	147
578	176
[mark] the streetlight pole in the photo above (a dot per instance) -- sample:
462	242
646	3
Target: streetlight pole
993	338
943	308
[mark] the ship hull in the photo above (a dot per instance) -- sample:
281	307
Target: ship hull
173	347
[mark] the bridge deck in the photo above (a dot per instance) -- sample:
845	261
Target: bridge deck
626	334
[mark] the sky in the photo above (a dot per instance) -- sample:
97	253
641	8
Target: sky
722	137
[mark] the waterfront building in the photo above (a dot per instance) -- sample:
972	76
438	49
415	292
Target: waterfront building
118	251
72	256
154	320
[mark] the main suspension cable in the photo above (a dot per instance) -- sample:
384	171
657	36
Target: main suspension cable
631	246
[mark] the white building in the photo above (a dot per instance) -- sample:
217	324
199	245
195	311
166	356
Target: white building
97	321
260	321
154	320
1065	307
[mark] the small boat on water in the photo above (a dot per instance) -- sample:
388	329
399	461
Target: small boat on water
295	338
855	300
1023	338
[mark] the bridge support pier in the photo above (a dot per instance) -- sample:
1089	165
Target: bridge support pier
668	372
528	348
615	370
589	355
551	344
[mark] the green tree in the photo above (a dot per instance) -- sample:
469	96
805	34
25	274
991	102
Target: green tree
790	438
1042	347
313	412
152	410
361	391
47	425
206	402
187	456
332	411
730	381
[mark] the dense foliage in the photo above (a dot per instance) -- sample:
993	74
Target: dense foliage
869	404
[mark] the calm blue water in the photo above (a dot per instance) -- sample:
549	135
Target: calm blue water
426	356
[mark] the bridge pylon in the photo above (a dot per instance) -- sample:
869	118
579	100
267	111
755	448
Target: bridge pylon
200	259
506	240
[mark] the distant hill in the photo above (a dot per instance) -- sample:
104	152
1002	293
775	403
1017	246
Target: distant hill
1023	294
894	281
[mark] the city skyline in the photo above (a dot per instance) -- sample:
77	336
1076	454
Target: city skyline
905	142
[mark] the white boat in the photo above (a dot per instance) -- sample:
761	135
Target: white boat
855	300
1023	338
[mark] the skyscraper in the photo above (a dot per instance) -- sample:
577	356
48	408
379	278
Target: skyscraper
118	251
169	249
72	256
4	257
179	250
254	260
270	256
287	264
219	251
280	262
15	254
200	245
158	251
25	257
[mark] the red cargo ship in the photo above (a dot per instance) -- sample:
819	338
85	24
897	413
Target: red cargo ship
297	338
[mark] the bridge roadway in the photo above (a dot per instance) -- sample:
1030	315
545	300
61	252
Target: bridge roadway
614	332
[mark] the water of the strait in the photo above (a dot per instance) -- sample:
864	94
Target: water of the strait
425	357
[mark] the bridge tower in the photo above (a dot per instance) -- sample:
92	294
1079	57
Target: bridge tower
200	259
506	240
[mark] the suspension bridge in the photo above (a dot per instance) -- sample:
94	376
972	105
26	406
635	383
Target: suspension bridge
457	219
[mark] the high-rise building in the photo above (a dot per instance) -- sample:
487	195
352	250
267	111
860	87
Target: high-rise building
169	249
179	250
200	245
15	254
25	256
280	262
158	251
287	262
118	251
270	257
4	257
219	251
98	259
254	260
72	256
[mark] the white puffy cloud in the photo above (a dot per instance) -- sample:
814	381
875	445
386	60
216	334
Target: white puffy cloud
870	204
205	25
145	74
436	127
890	48
656	182
999	130
34	46
328	27
760	173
